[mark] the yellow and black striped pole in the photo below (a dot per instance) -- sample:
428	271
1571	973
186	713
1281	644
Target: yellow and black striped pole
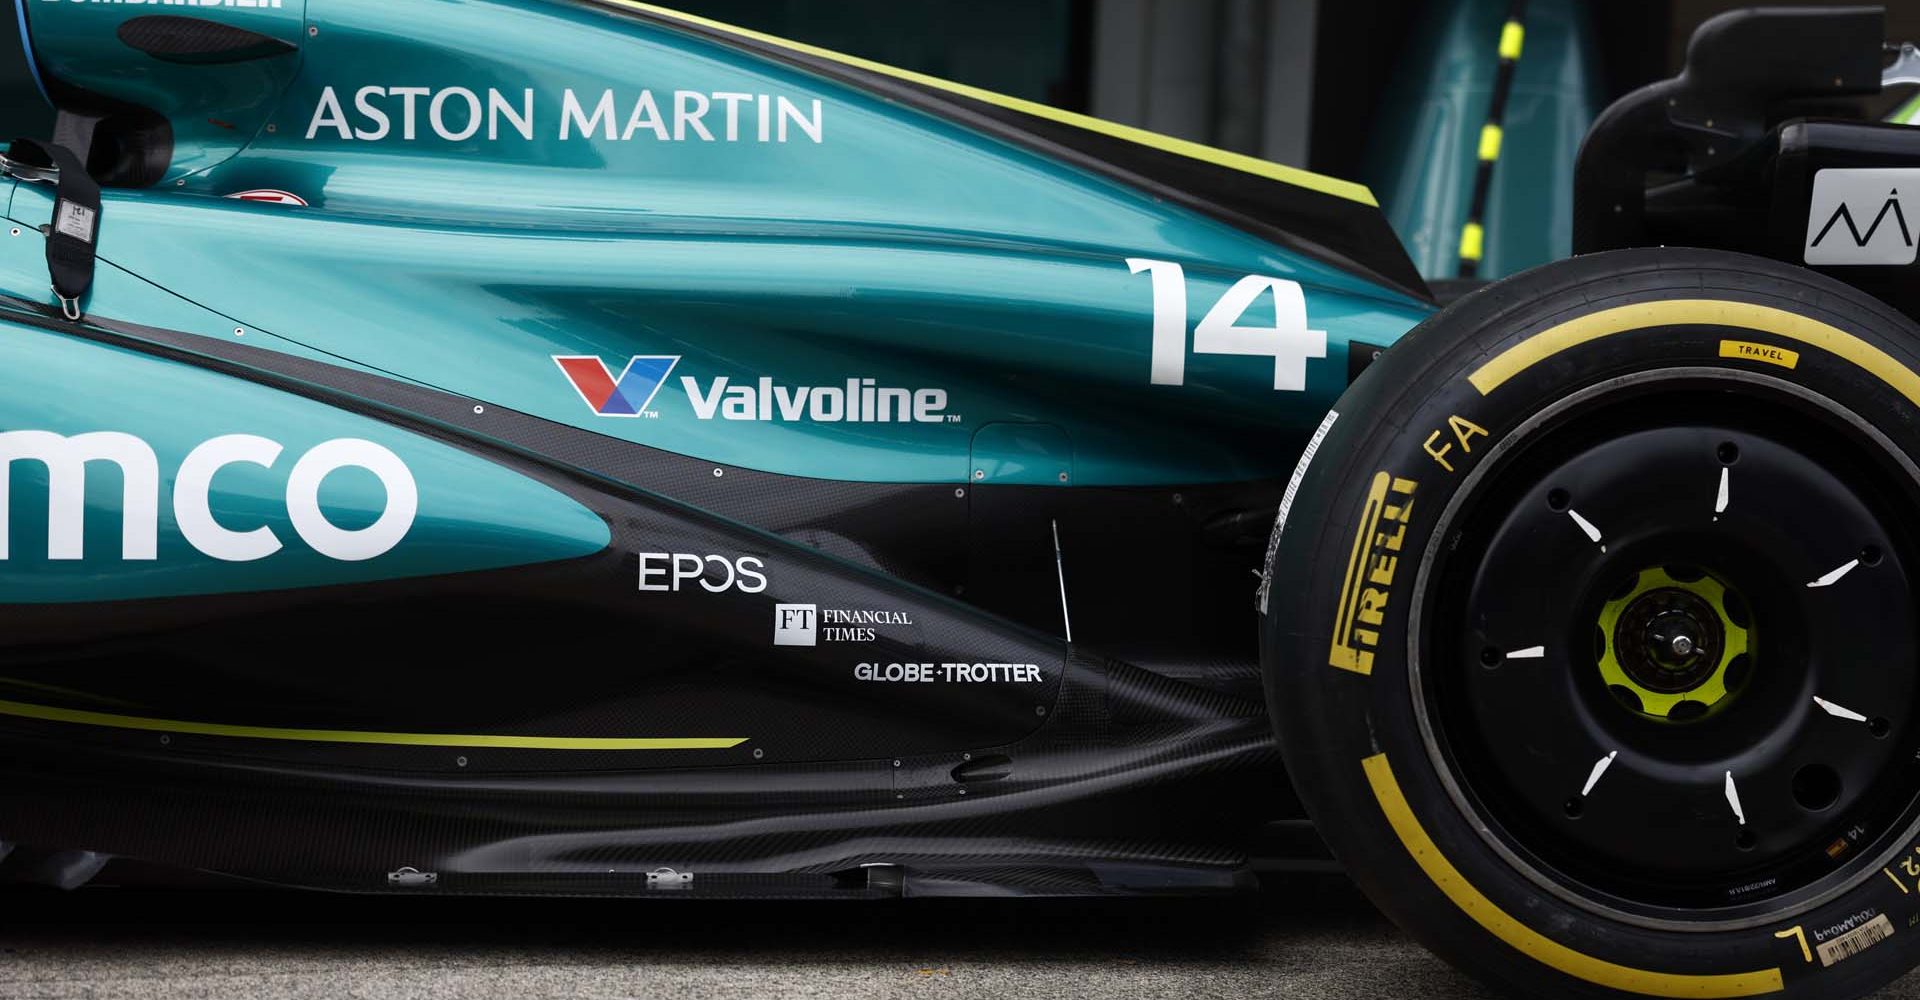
1473	235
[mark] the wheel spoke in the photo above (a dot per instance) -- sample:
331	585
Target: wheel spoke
1593	533
1599	768
1833	576
1733	799
1837	711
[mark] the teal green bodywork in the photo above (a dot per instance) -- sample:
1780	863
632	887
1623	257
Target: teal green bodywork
1423	156
473	514
899	247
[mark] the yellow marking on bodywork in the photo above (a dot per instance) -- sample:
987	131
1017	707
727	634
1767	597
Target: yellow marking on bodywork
1473	238
1695	312
1166	143
1512	36
48	713
1490	142
1530	942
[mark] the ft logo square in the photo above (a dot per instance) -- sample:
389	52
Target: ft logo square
793	624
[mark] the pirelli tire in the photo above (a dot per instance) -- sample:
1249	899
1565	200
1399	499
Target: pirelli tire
1473	608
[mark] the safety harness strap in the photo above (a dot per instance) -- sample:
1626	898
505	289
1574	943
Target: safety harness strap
76	220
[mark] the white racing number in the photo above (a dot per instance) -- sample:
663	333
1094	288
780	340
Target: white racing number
1288	341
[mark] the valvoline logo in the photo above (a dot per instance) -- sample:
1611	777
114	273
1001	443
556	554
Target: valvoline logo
630	394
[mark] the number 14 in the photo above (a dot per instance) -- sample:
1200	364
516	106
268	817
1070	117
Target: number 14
1288	341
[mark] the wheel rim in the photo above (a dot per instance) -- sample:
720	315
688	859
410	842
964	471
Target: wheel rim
1761	763
1674	648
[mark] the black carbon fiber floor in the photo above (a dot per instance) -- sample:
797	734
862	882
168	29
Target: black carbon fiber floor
1311	937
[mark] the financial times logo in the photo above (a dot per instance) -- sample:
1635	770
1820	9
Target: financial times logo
795	624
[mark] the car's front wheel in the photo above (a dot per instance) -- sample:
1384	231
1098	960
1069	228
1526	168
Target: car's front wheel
1590	631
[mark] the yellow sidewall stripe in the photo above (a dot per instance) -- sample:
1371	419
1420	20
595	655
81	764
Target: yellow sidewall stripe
1182	147
1530	942
1695	312
49	714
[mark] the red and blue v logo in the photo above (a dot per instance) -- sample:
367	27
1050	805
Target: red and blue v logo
626	396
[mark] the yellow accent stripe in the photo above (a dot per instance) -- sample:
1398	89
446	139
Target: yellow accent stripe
49	714
1530	942
1512	35
1166	143
1472	239
1490	142
1695	312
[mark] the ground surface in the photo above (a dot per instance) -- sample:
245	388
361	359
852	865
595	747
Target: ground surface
1312	937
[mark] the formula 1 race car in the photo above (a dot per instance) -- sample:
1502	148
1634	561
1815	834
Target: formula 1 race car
575	447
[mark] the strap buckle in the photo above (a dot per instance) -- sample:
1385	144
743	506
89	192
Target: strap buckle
31	172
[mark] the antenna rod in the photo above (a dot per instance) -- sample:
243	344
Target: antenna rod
1060	567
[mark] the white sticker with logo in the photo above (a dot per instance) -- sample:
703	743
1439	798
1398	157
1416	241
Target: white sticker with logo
1863	216
75	221
67	460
